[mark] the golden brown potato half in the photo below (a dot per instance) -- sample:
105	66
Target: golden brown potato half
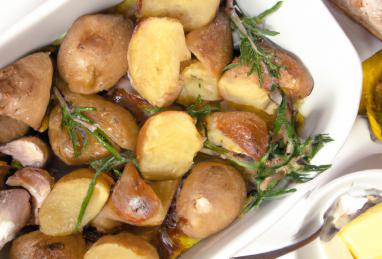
198	81
240	132
37	181
38	245
123	245
212	44
157	48
11	129
136	202
167	144
24	84
92	56
29	151
237	87
295	78
114	120
211	198
192	14
59	212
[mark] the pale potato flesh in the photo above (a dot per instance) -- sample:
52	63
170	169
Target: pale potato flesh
236	86
59	212
167	144
157	48
198	81
192	14
121	246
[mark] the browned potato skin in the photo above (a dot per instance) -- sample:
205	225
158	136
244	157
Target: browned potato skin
212	44
11	129
128	241
24	84
245	129
114	120
38	245
211	198
92	56
295	79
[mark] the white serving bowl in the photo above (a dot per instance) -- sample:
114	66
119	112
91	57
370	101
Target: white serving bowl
306	28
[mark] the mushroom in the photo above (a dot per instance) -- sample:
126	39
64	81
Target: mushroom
37	181
29	151
15	211
11	129
24	84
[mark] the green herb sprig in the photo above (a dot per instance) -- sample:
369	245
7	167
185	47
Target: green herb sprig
199	109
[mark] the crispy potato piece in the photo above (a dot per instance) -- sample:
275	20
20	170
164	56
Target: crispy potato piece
212	44
11	129
295	79
198	81
37	181
123	245
59	212
167	144
29	151
240	132
157	48
92	56
38	245
114	120
192	14
25	84
211	198
236	86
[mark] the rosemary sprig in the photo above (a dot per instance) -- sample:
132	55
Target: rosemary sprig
199	109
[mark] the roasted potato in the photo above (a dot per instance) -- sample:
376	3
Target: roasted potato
11	129
295	79
29	151
212	44
157	48
114	120
167	144
240	132
123	245
92	56
211	198
24	84
192	14
38	245
59	212
237	87
37	181
198	81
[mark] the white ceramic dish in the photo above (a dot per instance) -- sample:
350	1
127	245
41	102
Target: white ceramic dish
307	29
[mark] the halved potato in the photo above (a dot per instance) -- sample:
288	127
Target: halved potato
192	14
38	245
120	246
198	81
240	132
212	44
24	84
92	56
211	198
114	120
59	212
237	87
157	48
167	144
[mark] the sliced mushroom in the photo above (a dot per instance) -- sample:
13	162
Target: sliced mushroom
11	129
37	181
15	211
29	151
25	89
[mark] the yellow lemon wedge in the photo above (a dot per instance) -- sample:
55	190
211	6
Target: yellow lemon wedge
371	102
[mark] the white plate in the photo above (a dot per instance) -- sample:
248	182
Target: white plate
307	29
